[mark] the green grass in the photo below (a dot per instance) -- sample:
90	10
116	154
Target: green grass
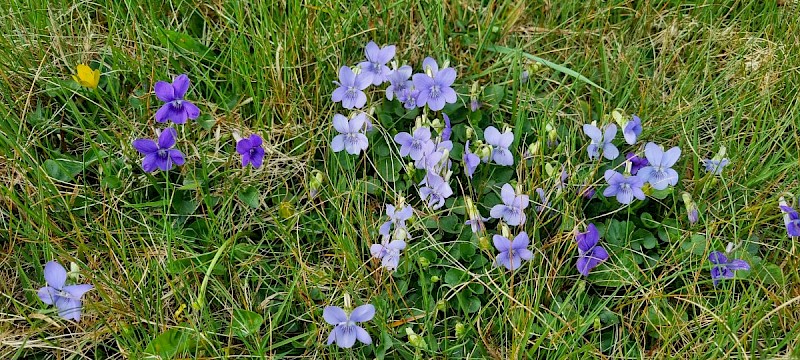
180	253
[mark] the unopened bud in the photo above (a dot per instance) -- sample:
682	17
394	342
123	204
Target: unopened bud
470	133
434	279
423	261
461	330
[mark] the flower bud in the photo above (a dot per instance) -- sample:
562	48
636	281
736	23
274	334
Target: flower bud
597	325
415	340
441	305
423	261
505	231
484	152
236	135
484	244
285	209
691	207
400	234
460	330
616	115
524	76
470	133
434	279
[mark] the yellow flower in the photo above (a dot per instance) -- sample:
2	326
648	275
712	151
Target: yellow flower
87	77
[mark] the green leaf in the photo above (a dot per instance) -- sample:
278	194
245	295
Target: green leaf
616	271
696	245
554	66
493	95
170	343
451	224
662	194
648	221
770	274
646	238
62	169
188	43
454	277
206	121
246	322
250	196
617	231
184	202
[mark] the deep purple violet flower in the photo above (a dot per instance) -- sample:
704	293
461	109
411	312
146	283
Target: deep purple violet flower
398	83
176	108
589	253
791	220
471	161
435	90
346	332
601	141
252	150
632	130
660	173
501	155
159	155
350	137
67	298
377	58
587	192
416	146
512	210
637	163
435	190
388	252
351	88
724	268
512	252
625	188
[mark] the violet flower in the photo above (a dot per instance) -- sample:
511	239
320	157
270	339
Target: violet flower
350	137
601	141
637	163
346	332
715	166
176	108
377	58
723	268
435	90
67	298
388	252
448	130
501	155
398	83
471	161
416	146
589	253
430	67
436	161
660	173
512	252
396	219
251	150
351	88
624	188
435	191
409	97
632	130
159	155
791	220
587	192
512	210
543	202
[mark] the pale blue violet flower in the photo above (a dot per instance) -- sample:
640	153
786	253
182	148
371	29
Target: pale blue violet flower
416	146
396	219
435	90
346	332
471	161
512	210
435	191
398	83
589	253
543	203
501	155
632	130
351	88
625	188
601	141
448	129
377	58
512	252
660	173
435	161
723	268
715	166
350	137
388	252
66	298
